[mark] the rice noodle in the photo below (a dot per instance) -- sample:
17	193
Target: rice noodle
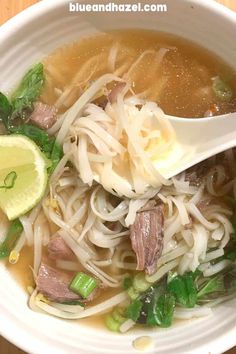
198	215
82	255
159	56
32	302
162	271
216	268
15	253
126	265
135	205
126	326
90	217
107	175
73	112
185	263
28	229
67	265
112	57
210	256
37	247
188	314
62	312
100	151
183	187
92	63
182	211
171	230
167	257
56	126
200	236
104	277
57	312
188	237
137	61
67	308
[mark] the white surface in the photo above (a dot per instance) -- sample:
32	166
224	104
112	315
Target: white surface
24	40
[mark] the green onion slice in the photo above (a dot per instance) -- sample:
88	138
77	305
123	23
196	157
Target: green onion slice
83	284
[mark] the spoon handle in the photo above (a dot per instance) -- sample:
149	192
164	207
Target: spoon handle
192	131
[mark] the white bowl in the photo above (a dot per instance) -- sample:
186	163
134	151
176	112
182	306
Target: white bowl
25	39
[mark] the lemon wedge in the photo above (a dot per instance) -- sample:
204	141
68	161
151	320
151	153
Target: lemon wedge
23	175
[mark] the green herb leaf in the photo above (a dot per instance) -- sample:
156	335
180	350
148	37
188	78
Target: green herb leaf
196	274
47	144
151	301
211	285
9	180
134	310
73	302
163	311
231	255
221	89
39	136
12	236
140	283
170	276
184	289
5	110
29	89
55	155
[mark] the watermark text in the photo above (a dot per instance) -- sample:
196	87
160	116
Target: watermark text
113	7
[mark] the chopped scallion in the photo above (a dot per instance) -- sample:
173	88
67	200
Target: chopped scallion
140	283
134	310
221	89
112	324
83	284
12	236
133	294
127	283
119	315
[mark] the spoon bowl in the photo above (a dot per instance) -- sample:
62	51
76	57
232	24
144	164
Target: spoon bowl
200	139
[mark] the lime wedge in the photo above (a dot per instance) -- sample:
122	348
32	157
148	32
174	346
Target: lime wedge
23	175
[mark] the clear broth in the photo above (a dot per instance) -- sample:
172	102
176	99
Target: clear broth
180	83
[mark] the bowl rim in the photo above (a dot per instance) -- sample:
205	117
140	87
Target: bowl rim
11	323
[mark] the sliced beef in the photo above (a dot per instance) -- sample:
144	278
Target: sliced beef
58	249
111	97
54	284
43	115
147	237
